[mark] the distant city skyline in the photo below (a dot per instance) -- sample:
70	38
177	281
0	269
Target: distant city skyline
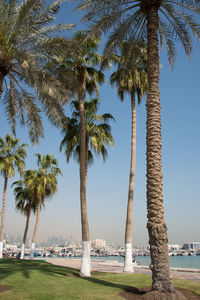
67	241
107	190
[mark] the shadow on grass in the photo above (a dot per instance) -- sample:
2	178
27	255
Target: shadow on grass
125	288
10	266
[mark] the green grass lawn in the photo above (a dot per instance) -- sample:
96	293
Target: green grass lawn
41	281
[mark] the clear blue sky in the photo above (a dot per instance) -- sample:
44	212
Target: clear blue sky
108	182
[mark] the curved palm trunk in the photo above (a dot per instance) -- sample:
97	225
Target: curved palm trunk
25	235
35	230
128	264
3	214
85	261
156	225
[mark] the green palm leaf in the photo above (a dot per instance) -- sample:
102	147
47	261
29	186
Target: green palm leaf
28	39
98	132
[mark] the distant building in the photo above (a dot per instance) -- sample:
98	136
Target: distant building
174	247
191	245
98	243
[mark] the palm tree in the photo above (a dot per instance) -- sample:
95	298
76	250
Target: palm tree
79	66
27	41
98	133
25	204
151	20
131	77
12	156
42	183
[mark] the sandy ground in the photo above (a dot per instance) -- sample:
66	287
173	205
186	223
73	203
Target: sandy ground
116	267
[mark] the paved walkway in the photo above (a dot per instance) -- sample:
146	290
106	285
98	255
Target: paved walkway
116	267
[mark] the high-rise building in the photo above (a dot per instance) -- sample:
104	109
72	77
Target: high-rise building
98	243
191	245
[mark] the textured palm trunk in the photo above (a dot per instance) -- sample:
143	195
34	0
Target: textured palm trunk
156	225
1	84
85	261
3	214
86	159
128	264
25	234
35	230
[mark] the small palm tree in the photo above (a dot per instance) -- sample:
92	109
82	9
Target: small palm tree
27	41
42	184
152	20
131	77
79	66
12	155
98	133
25	204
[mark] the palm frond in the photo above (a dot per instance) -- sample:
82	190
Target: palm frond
127	19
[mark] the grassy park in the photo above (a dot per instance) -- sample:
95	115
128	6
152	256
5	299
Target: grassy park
24	279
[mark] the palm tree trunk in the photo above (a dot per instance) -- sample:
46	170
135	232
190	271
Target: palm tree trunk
156	225
3	214
86	159
35	230
1	84
128	264
85	261
25	234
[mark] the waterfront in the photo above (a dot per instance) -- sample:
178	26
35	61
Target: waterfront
192	262
189	262
111	265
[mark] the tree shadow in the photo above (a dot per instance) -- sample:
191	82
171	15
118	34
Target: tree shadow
125	288
11	266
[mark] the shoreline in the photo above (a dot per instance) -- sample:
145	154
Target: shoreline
116	267
116	263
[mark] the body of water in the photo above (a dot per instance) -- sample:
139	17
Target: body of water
191	262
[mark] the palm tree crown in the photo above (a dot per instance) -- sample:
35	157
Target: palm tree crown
131	74
176	20
98	132
11	155
79	65
23	198
27	41
42	183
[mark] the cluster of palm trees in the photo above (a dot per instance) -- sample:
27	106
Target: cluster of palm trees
69	69
32	191
33	187
153	21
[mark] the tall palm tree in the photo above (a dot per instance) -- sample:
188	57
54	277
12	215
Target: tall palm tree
25	204
152	20
12	155
42	183
79	66
98	133
131	77
27	40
